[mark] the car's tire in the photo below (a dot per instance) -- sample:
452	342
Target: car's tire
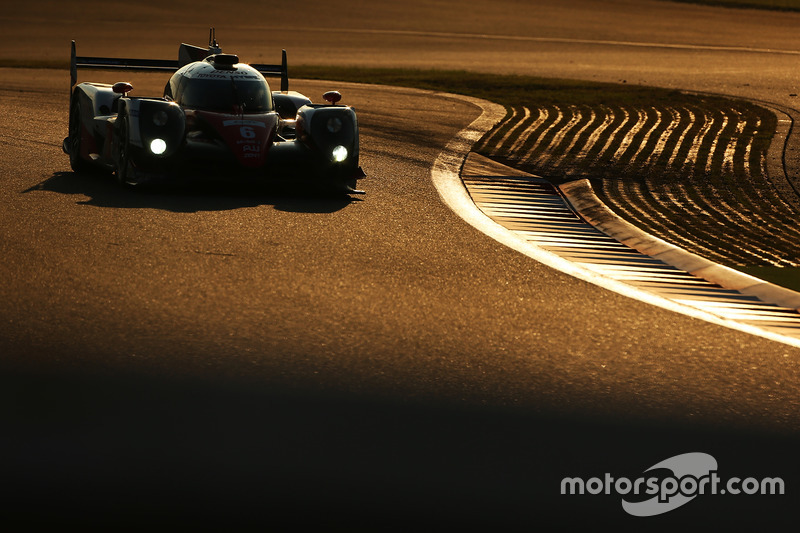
74	138
122	162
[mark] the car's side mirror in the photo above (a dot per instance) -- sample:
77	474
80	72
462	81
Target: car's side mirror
332	97
122	87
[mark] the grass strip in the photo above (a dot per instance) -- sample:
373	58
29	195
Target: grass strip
774	5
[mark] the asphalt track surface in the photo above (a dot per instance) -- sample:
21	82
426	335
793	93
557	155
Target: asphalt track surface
236	356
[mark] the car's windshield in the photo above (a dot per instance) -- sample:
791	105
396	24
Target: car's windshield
226	95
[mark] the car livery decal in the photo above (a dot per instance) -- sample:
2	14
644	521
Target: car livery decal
247	136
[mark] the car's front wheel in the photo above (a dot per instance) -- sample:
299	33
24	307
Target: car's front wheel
74	139
123	169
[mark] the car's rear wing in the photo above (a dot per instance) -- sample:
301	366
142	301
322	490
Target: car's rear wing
186	54
77	62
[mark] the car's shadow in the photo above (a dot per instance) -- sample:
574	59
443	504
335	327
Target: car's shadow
103	191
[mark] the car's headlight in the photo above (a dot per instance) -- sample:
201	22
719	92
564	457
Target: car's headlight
339	154
160	117
334	124
158	146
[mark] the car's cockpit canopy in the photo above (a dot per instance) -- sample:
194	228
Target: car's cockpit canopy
220	86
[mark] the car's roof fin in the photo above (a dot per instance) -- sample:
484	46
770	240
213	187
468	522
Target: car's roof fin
188	53
281	70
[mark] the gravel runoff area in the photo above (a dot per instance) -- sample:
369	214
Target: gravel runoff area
692	169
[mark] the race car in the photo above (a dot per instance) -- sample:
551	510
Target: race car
217	118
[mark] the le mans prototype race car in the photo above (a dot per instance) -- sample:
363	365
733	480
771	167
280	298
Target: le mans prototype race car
217	117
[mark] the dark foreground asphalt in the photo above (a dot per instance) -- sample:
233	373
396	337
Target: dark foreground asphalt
144	452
